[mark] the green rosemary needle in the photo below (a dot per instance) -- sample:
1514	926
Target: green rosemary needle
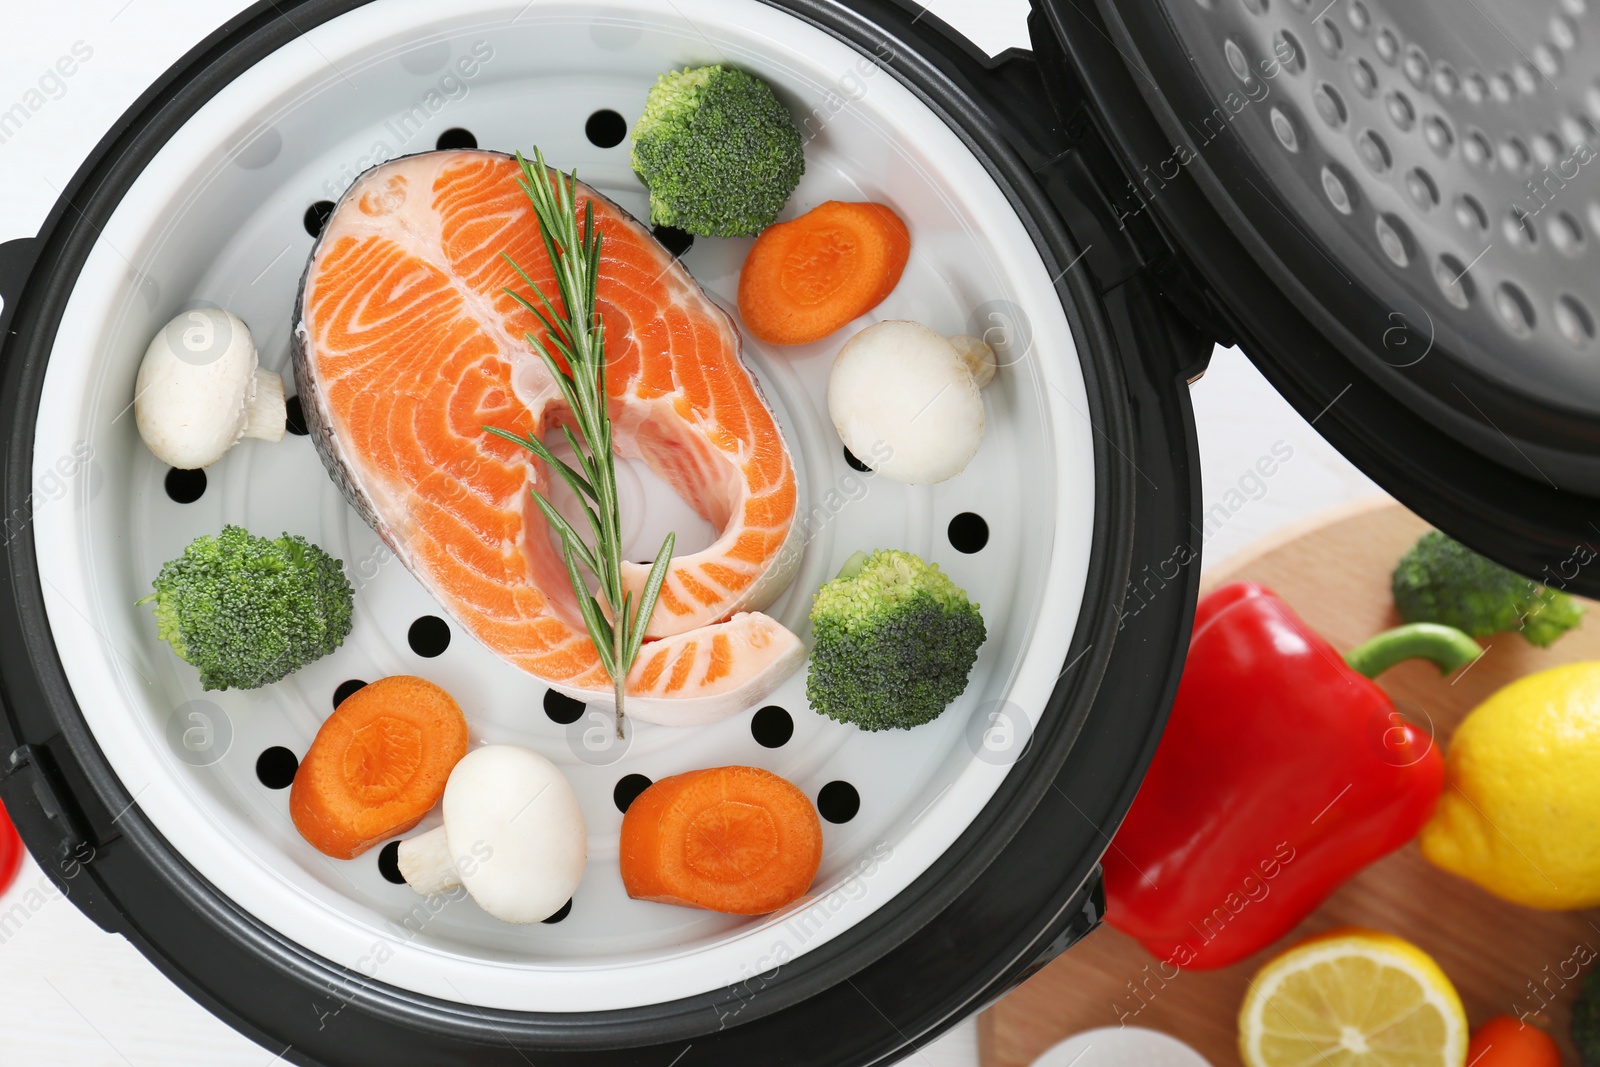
577	335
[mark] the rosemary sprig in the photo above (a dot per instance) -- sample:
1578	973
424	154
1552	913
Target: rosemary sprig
577	335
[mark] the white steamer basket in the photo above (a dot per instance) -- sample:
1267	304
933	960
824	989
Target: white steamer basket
216	218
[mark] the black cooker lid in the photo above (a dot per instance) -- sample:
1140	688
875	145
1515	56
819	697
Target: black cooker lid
1390	207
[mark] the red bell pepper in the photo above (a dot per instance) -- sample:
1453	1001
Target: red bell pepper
1283	771
11	851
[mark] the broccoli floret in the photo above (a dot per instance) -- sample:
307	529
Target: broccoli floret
1586	1021
718	150
247	610
895	639
1441	580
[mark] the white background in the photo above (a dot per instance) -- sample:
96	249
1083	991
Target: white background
70	994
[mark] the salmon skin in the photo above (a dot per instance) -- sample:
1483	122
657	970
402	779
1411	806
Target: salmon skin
406	346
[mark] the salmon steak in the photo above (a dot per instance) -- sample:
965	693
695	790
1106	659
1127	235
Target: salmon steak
407	346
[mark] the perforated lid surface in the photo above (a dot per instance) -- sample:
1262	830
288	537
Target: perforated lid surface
1440	152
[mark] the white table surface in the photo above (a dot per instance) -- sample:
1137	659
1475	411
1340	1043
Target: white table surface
70	994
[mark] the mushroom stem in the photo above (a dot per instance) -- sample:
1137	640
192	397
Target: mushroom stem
266	416
979	357
426	864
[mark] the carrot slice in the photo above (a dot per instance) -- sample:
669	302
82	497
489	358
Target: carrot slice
377	765
738	840
807	278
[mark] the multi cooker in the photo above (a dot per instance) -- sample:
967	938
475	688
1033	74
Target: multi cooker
1389	210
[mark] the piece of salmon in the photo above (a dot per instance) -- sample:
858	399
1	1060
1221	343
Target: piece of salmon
407	346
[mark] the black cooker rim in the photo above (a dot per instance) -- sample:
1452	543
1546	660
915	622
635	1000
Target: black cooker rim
75	813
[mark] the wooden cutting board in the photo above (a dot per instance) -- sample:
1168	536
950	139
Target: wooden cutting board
1503	959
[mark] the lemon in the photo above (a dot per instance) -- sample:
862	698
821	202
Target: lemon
1520	814
1352	998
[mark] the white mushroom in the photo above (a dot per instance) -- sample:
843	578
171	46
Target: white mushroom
513	835
906	400
201	390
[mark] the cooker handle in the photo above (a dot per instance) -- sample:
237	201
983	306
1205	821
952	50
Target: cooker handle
16	261
38	802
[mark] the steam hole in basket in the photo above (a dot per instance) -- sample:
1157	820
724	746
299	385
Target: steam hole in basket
429	636
562	709
389	863
838	802
295	417
856	464
772	727
346	690
186	487
275	767
628	789
456	138
316	217
561	913
968	532
675	240
606	128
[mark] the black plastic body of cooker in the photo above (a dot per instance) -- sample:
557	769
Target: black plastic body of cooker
1018	886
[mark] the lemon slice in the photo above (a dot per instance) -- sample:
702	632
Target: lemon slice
1352	998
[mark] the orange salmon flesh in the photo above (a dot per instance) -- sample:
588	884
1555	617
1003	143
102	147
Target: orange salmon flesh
408	346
